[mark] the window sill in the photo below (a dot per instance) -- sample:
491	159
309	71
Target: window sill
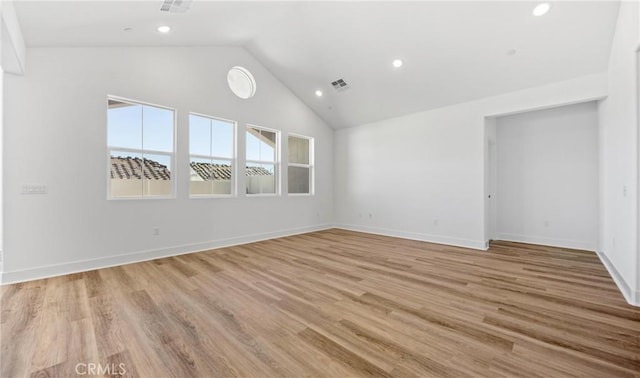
212	196
146	198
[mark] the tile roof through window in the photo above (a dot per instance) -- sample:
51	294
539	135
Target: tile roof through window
130	168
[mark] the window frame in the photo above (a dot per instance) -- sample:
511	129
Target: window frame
233	159
311	165
276	162
142	151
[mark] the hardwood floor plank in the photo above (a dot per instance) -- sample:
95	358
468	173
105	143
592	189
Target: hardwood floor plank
621	357
332	303
22	306
426	365
341	354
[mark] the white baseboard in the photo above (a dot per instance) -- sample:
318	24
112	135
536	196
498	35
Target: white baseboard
630	295
430	238
128	258
552	242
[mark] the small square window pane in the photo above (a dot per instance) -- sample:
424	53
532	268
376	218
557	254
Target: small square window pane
253	144
157	124
200	171
298	150
261	144
222	138
260	178
267	145
268	179
199	135
210	177
124	122
299	180
126	174
157	175
222	172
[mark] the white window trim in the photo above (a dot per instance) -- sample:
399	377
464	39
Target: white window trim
233	160
172	154
311	166
275	163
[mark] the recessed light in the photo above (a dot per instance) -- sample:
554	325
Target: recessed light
319	93
397	63
511	52
541	9
164	29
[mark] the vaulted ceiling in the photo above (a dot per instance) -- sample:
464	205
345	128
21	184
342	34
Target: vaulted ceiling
452	51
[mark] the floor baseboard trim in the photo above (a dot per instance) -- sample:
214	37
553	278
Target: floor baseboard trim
47	271
630	295
429	238
551	242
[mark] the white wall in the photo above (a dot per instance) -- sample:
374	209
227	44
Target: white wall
422	176
55	135
2	32
1	170
13	48
490	179
547	177
619	157
12	61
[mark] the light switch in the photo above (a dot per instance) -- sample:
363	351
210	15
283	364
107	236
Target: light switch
33	189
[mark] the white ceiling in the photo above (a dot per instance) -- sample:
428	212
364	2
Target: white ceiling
452	51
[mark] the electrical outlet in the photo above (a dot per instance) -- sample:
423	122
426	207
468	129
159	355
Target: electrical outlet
546	223
436	222
156	231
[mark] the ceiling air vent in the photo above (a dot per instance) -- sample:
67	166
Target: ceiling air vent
175	6
340	85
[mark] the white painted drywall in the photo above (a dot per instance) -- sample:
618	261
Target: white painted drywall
55	135
637	293
619	154
14	49
490	180
547	177
1	170
422	176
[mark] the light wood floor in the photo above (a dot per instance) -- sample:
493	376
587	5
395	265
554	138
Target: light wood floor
329	304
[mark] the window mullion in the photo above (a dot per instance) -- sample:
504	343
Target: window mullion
212	184
142	148
299	165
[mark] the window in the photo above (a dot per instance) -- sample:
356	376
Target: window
241	82
140	141
262	146
300	169
211	156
